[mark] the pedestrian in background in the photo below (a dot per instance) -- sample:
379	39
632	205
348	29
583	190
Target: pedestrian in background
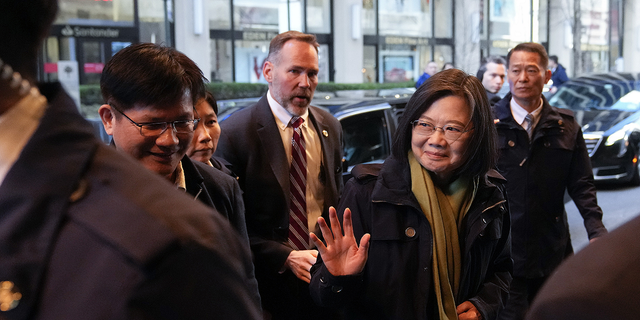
429	70
558	74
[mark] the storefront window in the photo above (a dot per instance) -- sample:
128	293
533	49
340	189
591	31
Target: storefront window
250	57
152	23
369	17
510	24
399	62
221	61
406	18
219	14
96	13
595	33
369	64
443	18
442	55
267	15
318	16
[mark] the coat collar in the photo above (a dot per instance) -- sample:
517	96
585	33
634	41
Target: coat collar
549	117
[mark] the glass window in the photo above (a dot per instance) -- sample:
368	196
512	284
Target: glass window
221	60
152	24
267	15
510	24
323	63
219	14
425	58
250	57
369	64
96	13
595	36
369	17
443	18
318	16
365	138
442	55
406	18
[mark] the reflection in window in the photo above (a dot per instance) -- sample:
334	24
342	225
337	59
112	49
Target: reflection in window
152	26
267	15
97	13
405	17
218	13
318	16
365	138
220	60
369	17
250	57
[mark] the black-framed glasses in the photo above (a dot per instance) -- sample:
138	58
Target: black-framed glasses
154	129
451	132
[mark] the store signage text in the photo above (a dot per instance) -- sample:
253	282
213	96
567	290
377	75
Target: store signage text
90	32
258	36
406	41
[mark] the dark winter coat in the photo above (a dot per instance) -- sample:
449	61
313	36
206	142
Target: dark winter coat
538	173
397	280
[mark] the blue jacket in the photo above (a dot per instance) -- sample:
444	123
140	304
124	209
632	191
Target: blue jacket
559	76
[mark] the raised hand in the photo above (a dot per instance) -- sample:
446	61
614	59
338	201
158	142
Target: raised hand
342	255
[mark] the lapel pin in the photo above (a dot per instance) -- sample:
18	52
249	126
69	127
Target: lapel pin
325	133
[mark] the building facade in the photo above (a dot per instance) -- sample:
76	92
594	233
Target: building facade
360	40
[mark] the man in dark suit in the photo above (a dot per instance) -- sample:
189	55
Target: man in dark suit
542	156
257	141
86	232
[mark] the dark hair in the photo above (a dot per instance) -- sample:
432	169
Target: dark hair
531	47
23	26
278	42
446	64
487	60
150	74
554	58
211	100
482	151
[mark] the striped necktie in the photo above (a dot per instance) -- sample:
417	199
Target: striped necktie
298	226
529	119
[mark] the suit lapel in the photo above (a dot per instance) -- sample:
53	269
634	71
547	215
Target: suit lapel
271	144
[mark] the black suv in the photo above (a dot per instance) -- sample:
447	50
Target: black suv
607	106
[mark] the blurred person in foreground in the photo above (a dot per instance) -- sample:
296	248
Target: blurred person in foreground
206	135
599	282
288	158
86	232
543	156
491	74
433	219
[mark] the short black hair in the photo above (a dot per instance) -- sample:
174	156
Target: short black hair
211	100
554	58
531	47
482	153
487	60
150	74
23	27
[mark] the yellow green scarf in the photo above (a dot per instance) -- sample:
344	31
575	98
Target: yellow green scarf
445	210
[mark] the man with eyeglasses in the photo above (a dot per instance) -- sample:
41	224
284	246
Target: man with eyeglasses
149	93
85	231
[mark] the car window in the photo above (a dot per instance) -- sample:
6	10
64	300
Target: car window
366	137
591	93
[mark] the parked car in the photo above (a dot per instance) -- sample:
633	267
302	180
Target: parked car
368	125
607	106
